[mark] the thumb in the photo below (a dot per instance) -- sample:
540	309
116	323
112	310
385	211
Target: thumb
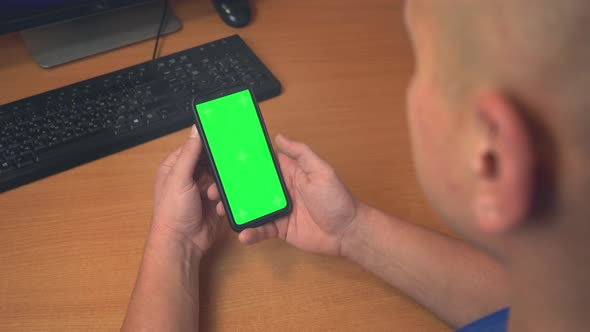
182	173
303	155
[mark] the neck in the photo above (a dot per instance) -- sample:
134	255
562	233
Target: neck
550	276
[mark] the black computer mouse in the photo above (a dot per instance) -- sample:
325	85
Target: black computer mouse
235	13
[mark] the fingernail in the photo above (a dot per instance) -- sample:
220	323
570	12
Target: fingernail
194	132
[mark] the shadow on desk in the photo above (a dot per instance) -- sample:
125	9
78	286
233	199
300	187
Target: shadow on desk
14	51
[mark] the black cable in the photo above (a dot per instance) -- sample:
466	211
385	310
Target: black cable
160	28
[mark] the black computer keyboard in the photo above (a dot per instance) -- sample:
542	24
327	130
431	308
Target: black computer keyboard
60	129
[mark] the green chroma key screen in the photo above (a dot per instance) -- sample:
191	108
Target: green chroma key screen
242	156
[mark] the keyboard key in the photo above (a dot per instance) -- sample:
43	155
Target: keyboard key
68	136
53	139
6	166
41	148
25	160
121	129
11	152
121	120
151	117
136	122
165	113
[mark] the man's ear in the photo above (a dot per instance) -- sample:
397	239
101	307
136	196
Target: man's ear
504	163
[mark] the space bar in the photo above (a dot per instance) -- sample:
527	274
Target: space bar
72	148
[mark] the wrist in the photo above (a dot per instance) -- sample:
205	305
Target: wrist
169	261
350	238
165	240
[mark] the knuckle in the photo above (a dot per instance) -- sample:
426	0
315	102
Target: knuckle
161	172
172	172
162	166
305	147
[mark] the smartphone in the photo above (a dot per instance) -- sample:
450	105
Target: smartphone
243	164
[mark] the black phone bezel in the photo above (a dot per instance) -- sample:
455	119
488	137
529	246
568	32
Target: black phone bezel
261	220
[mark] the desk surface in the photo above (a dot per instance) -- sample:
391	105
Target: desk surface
70	245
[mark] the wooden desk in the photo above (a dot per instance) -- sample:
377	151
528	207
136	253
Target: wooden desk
70	245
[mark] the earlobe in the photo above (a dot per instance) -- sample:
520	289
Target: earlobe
485	205
503	165
487	212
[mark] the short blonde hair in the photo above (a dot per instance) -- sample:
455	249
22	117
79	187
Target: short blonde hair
535	49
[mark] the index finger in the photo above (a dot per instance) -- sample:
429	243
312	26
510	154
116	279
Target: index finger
302	154
167	164
182	173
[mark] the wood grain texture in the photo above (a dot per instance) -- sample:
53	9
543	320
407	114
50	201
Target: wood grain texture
70	245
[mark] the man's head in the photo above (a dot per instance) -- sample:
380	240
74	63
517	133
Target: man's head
497	111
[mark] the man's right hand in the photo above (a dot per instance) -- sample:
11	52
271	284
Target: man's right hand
323	212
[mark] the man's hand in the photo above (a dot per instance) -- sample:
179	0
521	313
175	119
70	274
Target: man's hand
179	210
166	294
323	209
